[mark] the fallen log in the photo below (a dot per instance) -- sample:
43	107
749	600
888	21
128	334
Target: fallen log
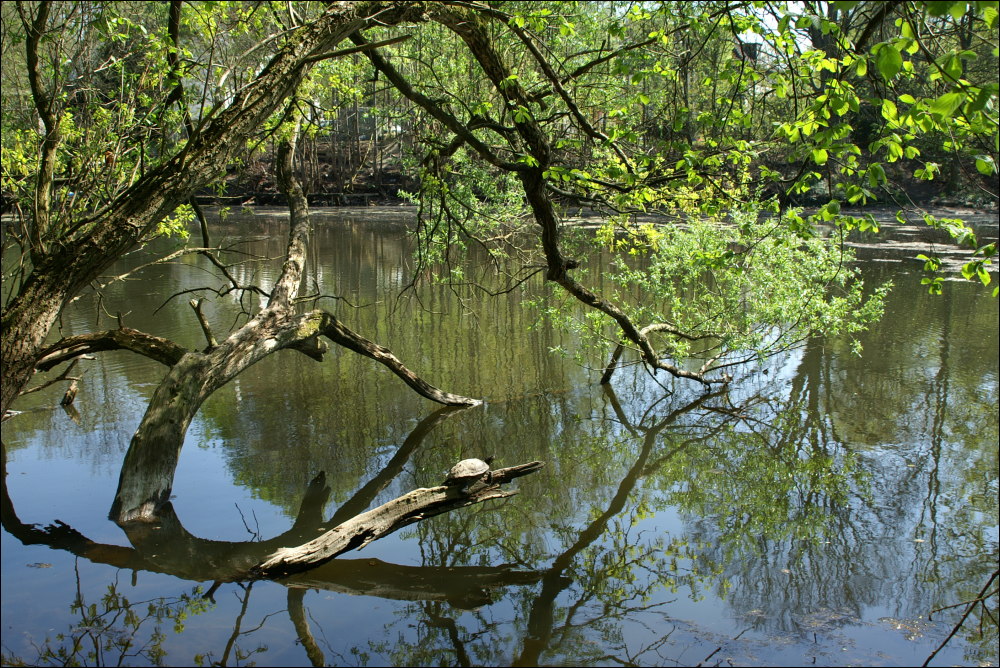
402	511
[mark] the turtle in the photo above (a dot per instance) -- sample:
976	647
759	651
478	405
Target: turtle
469	471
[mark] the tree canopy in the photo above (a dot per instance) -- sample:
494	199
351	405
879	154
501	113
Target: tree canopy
694	129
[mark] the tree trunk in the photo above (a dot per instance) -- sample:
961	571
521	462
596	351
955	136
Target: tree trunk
147	473
80	257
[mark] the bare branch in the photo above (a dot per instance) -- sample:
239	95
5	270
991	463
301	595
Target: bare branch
162	350
161	260
203	321
333	329
434	109
357	49
58	379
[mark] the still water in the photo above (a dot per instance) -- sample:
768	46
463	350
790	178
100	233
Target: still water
815	513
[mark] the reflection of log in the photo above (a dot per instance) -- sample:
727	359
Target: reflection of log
362	529
465	587
168	548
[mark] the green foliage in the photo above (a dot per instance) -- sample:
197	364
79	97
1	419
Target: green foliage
731	291
462	202
177	224
705	115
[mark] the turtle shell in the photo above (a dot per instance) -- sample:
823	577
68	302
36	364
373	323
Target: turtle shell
467	469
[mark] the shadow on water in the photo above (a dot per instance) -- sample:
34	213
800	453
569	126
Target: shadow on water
815	511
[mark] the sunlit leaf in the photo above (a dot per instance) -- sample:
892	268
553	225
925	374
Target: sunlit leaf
889	61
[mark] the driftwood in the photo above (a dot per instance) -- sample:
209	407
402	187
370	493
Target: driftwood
362	529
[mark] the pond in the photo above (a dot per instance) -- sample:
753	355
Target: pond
817	511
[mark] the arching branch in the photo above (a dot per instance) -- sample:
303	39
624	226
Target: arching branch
162	350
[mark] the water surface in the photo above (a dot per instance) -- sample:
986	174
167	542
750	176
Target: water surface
815	512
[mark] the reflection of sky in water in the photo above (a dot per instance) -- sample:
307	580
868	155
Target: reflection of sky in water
914	525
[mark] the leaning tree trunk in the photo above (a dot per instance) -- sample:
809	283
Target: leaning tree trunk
148	470
79	258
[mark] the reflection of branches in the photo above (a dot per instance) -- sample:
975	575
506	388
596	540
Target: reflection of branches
448	624
168	548
363	498
64	375
297	613
111	632
541	622
241	655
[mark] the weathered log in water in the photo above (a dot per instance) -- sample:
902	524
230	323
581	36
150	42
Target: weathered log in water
412	507
167	547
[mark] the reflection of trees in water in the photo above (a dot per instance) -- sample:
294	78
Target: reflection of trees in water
790	534
115	631
813	532
603	568
166	547
330	419
790	520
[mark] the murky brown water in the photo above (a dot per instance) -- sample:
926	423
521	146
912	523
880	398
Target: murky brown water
814	514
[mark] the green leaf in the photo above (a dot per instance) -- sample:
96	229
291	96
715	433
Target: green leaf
990	16
933	285
985	164
820	156
982	98
952	66
946	105
894	149
889	61
889	112
876	175
930	263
